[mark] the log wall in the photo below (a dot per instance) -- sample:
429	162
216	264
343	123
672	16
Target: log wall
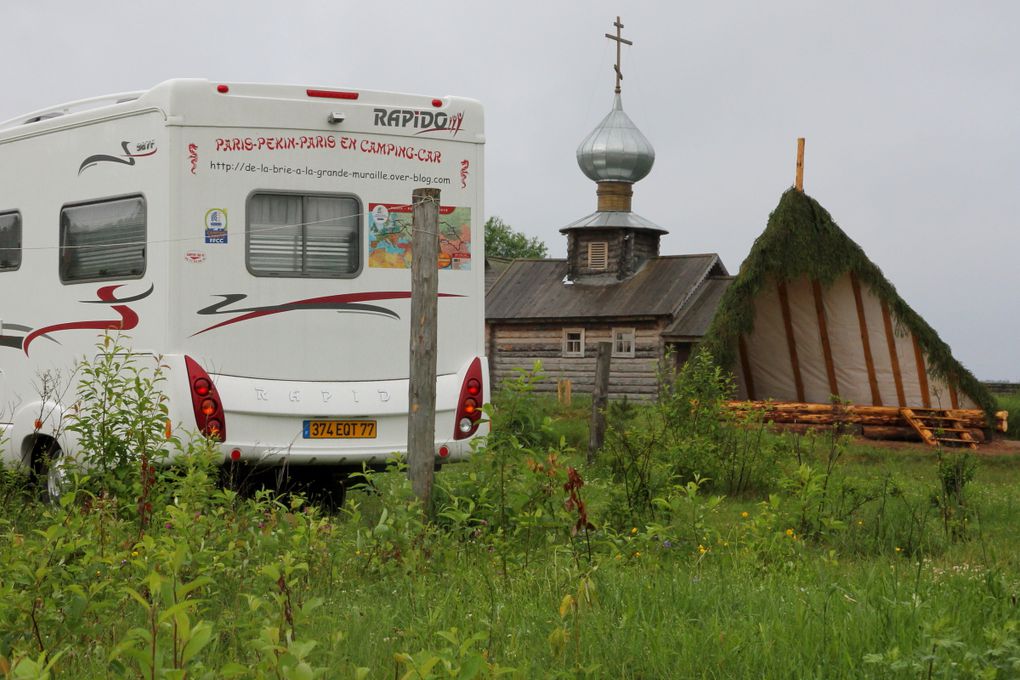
519	346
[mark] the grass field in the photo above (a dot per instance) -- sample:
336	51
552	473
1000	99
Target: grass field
803	558
276	590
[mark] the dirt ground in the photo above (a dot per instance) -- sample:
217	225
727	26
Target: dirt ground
997	446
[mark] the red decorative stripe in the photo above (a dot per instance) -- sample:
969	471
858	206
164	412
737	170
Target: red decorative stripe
128	320
335	299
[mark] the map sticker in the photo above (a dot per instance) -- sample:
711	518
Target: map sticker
389	236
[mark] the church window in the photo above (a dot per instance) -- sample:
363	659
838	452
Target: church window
623	342
573	342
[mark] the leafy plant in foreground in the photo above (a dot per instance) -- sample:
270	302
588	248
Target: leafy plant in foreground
120	421
687	433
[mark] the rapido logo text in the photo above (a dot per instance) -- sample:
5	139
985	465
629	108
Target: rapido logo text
423	121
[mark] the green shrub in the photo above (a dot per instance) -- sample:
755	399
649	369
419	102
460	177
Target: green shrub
687	435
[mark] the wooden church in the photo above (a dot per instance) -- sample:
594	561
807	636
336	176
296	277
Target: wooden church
613	286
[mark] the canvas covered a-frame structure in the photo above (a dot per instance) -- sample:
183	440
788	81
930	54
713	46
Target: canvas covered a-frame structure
810	317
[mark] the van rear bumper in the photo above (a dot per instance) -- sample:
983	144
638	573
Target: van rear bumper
265	420
339	453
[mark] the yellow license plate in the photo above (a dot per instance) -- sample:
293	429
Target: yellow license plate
339	429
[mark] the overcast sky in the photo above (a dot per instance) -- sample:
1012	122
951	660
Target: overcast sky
911	112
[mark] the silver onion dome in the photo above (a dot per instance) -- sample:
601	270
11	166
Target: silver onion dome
616	151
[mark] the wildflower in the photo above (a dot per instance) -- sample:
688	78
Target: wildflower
168	525
702	549
357	553
789	532
667	544
860	522
619	556
637	553
134	553
745	514
899	549
633	530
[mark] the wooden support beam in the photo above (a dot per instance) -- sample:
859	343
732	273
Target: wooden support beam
823	331
745	365
784	301
800	164
599	400
954	398
890	339
421	388
876	396
922	372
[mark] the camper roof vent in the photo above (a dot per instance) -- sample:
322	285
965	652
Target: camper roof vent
43	116
71	107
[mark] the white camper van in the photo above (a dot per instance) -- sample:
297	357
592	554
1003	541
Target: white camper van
257	238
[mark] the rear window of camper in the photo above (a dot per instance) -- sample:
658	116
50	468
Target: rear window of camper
10	241
303	235
103	240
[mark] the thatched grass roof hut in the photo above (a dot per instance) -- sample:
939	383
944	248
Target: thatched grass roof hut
809	316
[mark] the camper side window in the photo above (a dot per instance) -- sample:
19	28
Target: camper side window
295	235
10	241
103	240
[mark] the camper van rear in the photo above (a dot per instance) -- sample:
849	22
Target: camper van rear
256	238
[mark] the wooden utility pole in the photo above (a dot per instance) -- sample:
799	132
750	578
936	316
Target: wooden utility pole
421	390
599	400
800	164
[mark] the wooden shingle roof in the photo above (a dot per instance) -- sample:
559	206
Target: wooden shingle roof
694	319
532	290
494	268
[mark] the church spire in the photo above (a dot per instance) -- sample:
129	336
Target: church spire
613	243
616	152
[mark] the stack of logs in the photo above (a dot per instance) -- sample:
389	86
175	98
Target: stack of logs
873	422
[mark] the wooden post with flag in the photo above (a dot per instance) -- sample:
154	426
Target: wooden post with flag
421	391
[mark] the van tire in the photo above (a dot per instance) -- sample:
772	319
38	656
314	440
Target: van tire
49	471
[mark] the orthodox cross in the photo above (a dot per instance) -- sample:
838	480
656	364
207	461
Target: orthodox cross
620	40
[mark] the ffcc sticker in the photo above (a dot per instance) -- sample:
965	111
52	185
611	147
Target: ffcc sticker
216	225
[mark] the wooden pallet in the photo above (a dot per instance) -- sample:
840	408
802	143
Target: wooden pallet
938	427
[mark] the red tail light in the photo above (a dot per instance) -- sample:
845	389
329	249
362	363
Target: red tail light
206	402
469	412
332	94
